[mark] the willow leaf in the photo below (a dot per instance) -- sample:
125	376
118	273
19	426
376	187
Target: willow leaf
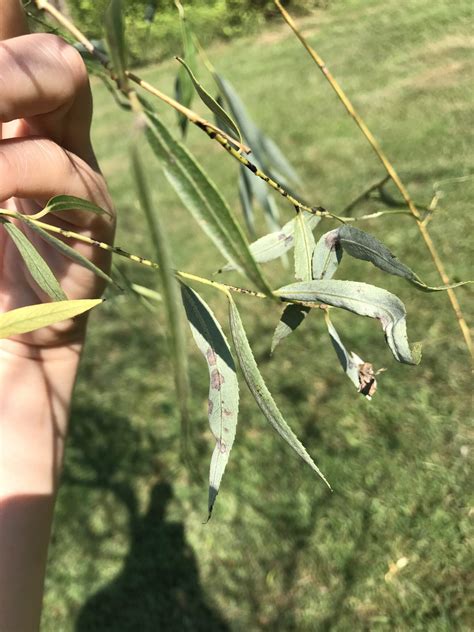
292	317
250	131
263	196
304	246
362	245
26	319
274	245
36	265
360	373
211	103
184	90
265	151
275	157
327	255
202	199
171	295
259	389
245	196
69	252
365	300
223	403
114	33
61	203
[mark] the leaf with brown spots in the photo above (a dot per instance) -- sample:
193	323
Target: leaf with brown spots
360	373
274	245
223	403
365	300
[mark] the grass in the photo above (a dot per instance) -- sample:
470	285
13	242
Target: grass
129	550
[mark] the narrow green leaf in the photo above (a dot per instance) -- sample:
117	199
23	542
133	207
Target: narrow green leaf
362	245
304	246
223	403
184	90
360	373
264	150
211	103
259	389
70	253
263	196
280	165
249	130
365	300
202	199
26	319
115	35
245	195
146	292
36	265
171	295
61	203
326	256
274	245
292	317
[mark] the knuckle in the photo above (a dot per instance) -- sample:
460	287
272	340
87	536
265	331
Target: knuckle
75	63
58	49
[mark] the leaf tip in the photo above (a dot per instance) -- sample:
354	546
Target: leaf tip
416	352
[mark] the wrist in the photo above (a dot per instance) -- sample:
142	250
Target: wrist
36	386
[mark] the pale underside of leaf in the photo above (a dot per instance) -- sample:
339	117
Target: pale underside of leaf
33	317
34	262
304	246
202	199
274	245
223	402
351	363
326	256
365	300
259	389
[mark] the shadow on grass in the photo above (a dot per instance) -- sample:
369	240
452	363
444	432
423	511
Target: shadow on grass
158	587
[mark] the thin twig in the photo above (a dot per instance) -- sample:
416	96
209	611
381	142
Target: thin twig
192	116
213	132
231	145
365	194
389	169
116	250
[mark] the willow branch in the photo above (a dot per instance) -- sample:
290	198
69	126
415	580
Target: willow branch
389	169
116	250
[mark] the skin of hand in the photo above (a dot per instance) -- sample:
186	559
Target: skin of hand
45	116
45	150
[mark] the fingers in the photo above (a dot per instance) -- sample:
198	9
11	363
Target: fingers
12	20
38	169
44	81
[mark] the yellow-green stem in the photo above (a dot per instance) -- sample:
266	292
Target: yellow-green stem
69	234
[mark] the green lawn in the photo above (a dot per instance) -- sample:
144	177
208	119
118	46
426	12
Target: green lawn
130	551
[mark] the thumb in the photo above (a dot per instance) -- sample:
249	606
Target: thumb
12	19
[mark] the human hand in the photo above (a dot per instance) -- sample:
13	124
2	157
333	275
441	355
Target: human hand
45	118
